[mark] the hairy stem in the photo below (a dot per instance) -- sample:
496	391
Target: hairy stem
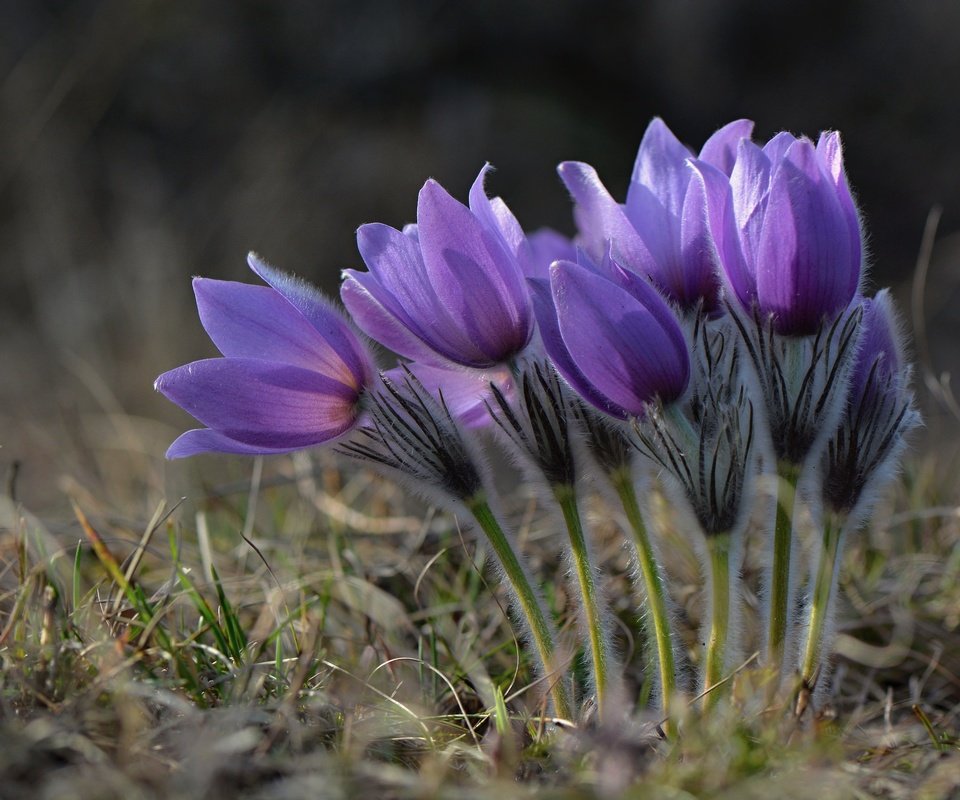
823	594
653	585
600	655
716	655
779	588
541	629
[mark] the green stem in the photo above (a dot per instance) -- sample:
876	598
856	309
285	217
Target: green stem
780	590
653	584
541	630
822	597
716	655
599	649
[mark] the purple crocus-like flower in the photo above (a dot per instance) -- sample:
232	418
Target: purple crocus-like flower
467	392
879	413
879	365
661	232
293	375
786	229
449	290
612	337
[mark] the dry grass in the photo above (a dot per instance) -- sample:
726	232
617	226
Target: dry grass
297	628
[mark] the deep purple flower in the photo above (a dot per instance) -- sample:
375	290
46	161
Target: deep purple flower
614	339
556	349
879	413
879	364
450	289
661	232
293	374
786	229
466	392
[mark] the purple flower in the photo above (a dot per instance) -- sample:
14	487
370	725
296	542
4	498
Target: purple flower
786	229
293	375
661	232
612	337
879	413
451	289
879	364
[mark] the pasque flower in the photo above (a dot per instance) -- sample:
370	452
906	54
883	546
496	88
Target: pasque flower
786	229
879	413
703	444
787	235
614	338
661	232
293	374
466	390
450	289
861	456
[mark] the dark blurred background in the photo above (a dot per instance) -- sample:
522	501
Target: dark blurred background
145	142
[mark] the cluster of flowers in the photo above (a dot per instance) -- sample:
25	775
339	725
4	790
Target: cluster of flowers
709	335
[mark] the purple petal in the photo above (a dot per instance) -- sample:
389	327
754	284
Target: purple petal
325	317
777	147
555	348
517	242
377	314
698	278
474	276
720	150
204	440
830	151
831	155
805	267
396	267
494	214
661	168
879	349
658	230
615	341
601	219
247	321
396	303
655	201
508	226
750	183
547	246
645	294
480	202
262	404
718	197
